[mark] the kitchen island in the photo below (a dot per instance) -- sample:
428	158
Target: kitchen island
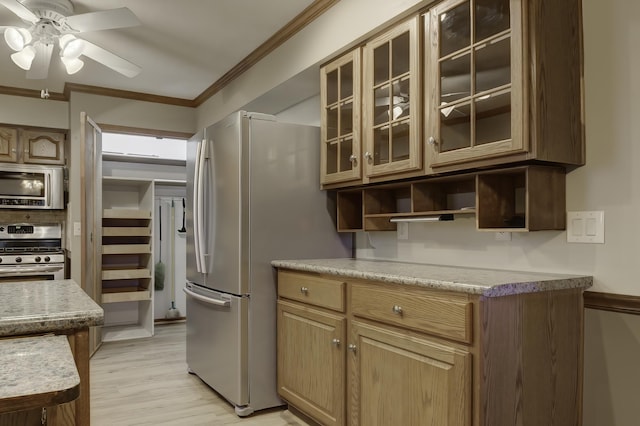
44	308
374	342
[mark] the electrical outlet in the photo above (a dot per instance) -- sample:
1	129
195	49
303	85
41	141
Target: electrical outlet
402	229
503	236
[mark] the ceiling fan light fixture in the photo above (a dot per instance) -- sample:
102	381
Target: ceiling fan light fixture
24	58
70	46
17	38
72	65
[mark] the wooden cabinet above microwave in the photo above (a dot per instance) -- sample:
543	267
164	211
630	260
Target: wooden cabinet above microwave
32	145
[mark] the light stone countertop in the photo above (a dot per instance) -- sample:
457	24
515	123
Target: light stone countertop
485	282
36	366
45	306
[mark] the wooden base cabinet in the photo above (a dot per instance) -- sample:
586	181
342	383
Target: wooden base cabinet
311	341
400	380
417	356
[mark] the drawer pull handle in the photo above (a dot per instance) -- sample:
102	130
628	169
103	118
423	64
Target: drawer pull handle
352	347
335	342
304	290
397	309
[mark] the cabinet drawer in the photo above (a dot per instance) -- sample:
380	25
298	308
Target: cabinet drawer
447	316
312	290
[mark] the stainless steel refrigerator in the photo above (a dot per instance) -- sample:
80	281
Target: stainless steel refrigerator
252	196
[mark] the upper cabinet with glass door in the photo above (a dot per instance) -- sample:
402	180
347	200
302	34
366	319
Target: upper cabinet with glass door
497	92
341	103
392	103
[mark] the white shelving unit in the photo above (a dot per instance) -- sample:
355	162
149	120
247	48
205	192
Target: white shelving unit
127	258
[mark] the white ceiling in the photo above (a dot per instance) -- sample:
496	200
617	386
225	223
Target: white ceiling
182	46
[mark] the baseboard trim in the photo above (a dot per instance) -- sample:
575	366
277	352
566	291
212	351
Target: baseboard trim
621	303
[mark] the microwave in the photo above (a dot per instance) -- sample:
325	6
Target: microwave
25	186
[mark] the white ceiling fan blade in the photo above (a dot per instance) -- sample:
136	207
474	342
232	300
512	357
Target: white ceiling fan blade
40	66
19	9
103	20
110	60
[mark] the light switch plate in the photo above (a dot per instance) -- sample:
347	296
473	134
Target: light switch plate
585	227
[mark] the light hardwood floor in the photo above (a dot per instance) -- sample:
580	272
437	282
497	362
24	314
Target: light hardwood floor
145	382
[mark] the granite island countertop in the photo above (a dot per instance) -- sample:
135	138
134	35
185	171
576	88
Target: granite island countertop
485	282
45	306
36	371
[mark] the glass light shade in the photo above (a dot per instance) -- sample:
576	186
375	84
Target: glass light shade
24	58
70	47
72	65
16	38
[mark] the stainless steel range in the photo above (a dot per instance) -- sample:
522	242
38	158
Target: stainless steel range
30	252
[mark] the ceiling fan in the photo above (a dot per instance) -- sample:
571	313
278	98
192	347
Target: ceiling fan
52	22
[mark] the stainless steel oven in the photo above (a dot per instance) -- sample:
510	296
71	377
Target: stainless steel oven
30	252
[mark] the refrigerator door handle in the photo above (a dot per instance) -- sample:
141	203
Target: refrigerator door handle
198	207
196	182
216	302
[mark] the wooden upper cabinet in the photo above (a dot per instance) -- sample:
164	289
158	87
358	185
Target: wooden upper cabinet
8	144
499	91
392	102
340	88
18	145
42	147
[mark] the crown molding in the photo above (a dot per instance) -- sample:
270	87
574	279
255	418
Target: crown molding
30	93
124	94
304	18
307	16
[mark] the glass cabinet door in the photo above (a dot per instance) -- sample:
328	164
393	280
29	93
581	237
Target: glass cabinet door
476	64
341	100
392	102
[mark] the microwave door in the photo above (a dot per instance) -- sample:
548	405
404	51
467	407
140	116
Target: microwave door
31	187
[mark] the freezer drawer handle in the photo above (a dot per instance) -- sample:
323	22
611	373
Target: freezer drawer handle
217	302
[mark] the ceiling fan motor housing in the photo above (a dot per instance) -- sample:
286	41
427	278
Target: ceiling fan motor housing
51	10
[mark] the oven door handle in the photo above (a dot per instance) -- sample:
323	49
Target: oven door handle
21	270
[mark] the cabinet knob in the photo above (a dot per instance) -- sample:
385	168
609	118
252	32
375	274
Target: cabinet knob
352	158
352	347
304	290
397	309
432	141
368	155
335	342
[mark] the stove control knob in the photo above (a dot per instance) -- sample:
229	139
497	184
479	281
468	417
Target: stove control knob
38	259
47	258
0	260
18	259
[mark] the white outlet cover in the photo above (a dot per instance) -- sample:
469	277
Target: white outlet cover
585	227
503	236
402	229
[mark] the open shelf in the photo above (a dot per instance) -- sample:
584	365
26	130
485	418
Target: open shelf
125	296
127	258
126	214
522	199
349	211
525	198
126	249
115	333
